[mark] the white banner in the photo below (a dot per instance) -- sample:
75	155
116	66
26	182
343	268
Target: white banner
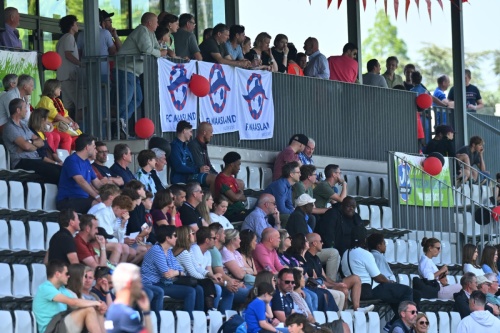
177	102
255	104
219	106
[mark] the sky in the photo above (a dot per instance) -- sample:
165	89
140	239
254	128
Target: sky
298	20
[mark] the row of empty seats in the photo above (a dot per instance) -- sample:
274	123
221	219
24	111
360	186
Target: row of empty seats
380	217
17	283
409	252
26	238
31	196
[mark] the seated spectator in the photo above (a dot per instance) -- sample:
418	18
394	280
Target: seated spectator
9	82
470	253
137	217
121	316
479	320
336	225
492	290
317	65
214	49
39	126
160	268
298	323
344	67
102	172
188	213
442	142
88	281
199	151
258	219
108	193
205	207
377	247
257	316
285	243
407	317
475	153
85	240
422	323
282	302
299	296
296	145
62	245
146	160
123	158
483	285
247	245
280	52
236	39
22	145
305	156
391	78
78	184
52	300
308	179
206	278
179	193
77	279
372	77
148	236
265	255
219	209
58	115
299	220
427	269
326	192
161	148
103	285
227	185
281	189
489	259
22	90
468	282
260	55
163	204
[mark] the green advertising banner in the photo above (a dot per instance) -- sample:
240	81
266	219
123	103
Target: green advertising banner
21	63
417	188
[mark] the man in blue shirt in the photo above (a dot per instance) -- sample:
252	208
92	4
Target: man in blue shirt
258	219
121	317
78	184
318	65
236	38
443	82
52	298
123	158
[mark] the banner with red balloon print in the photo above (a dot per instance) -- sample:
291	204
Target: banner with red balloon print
177	102
255	104
218	107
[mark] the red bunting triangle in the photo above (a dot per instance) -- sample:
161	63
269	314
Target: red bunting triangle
407	7
429	9
396	8
440	2
418	5
364	5
385	7
329	3
339	3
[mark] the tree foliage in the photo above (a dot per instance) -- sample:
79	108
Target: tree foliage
382	41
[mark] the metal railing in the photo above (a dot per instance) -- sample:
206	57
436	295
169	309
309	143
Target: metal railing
464	217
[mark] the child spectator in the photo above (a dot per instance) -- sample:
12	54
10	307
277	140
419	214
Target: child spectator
256	315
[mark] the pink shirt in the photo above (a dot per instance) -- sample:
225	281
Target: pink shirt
343	68
266	259
286	156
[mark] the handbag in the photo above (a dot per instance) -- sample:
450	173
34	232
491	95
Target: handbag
186	281
63	127
312	283
428	288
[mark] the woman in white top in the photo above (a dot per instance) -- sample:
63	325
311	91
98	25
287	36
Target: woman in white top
205	207
220	208
469	260
428	269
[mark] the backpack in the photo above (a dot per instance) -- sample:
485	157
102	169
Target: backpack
235	324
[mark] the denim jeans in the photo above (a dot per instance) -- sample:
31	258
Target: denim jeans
225	301
189	295
155	295
127	92
311	299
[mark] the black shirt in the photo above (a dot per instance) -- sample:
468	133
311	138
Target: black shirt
137	219
209	46
297	223
103	170
61	244
158	184
313	264
189	215
444	146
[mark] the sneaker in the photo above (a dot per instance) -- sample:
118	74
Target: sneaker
366	309
123	126
387	327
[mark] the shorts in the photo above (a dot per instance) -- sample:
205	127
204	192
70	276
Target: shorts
200	178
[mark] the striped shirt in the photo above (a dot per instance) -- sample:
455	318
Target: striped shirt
156	263
186	259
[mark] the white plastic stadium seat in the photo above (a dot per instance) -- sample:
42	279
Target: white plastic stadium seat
267	177
389	251
52	228
21	281
49	200
5	281
36	240
230	313
4	236
404	279
433	323
199	321
23	322
364	212
215	321
253	178
3	159
243	175
167	321
387	217
359	321
34	196
39	276
444	322
375	219
62	153
347	318
412	251
4	194
319	316
6	324
454	321
401	250
17	236
16	195
154	322
331	316
183	321
373	322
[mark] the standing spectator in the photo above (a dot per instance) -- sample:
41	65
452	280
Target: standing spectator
391	78
85	240
475	153
296	145
62	245
246	45
128	287
373	77
123	158
171	23
99	166
22	145
474	101
199	151
293	67
236	39
344	67
302	60
317	65
326	192
23	90
407	313
52	300
227	185
260	55
408	70
188	213
78	183
214	49
146	160
141	40
106	23
186	44
280	52
479	320
443	82
265	255
258	219
10	36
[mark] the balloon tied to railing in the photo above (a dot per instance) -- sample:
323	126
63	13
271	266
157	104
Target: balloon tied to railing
432	165
396	5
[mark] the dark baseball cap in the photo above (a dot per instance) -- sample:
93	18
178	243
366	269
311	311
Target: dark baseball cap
300	138
102	232
104	14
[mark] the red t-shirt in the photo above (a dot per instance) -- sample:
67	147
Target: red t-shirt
343	68
224	183
83	249
287	155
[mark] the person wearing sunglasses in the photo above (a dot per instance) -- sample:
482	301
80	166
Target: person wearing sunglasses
407	318
282	303
422	324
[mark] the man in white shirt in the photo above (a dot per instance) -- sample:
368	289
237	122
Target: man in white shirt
479	320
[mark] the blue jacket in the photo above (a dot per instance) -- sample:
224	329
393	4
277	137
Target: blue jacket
181	162
282	191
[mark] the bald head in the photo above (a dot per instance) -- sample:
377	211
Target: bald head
312	237
205	132
269	233
150	21
12	17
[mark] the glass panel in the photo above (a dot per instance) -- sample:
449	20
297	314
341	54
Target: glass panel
23	6
49	44
60	8
179	7
210	13
140	7
26	37
120	9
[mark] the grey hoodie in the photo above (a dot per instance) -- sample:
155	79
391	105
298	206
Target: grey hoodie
477	321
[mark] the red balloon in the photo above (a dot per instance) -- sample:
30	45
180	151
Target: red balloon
424	101
495	213
433	166
51	60
144	128
199	85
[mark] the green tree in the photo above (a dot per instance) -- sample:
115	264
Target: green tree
382	41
